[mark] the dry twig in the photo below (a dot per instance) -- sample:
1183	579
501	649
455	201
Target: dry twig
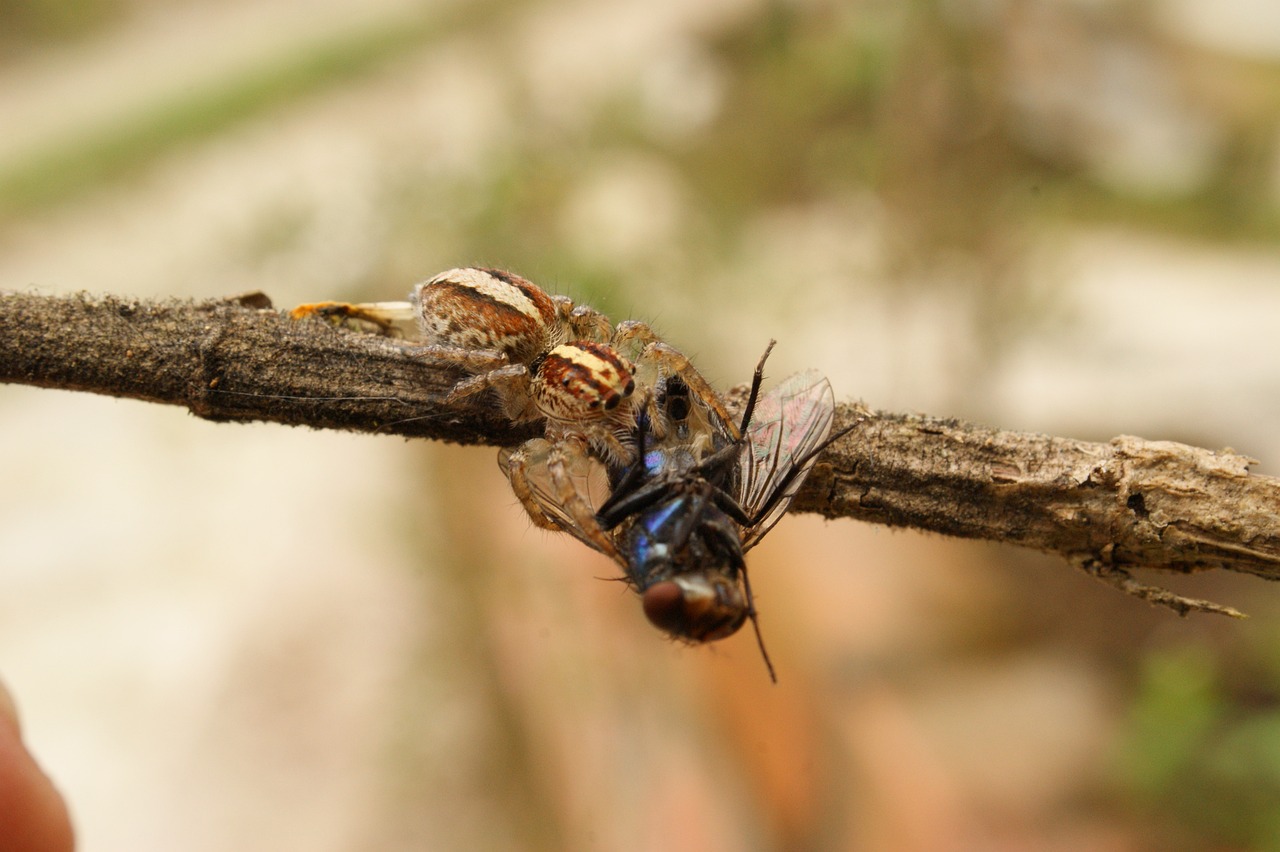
1107	508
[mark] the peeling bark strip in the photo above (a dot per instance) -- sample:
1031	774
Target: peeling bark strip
1106	508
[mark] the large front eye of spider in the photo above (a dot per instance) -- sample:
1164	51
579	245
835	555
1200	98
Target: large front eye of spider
579	380
696	607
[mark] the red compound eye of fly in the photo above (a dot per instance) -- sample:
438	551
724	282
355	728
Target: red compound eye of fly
664	606
696	607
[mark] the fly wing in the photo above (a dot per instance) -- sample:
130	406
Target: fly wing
533	479
789	423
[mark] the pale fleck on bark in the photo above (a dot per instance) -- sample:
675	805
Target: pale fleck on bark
1107	508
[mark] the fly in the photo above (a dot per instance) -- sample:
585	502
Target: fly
701	492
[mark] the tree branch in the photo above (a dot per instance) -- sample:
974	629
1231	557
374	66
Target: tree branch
238	360
1107	508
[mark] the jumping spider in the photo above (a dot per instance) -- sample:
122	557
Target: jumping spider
664	481
542	356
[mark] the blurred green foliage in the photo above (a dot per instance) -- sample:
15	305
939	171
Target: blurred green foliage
1201	749
31	24
910	101
61	172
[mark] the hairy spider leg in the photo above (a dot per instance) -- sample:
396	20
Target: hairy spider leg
511	382
579	322
515	461
666	359
571	499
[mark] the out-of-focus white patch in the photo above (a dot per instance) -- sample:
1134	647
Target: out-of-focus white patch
1244	27
681	89
624	210
1112	103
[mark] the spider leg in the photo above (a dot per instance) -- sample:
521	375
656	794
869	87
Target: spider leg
511	383
515	462
654	360
634	334
562	453
581	322
605	437
632	338
475	360
671	361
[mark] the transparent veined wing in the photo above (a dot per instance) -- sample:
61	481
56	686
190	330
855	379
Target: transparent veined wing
789	423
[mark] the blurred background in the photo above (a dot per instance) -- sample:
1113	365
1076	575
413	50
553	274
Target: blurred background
1059	216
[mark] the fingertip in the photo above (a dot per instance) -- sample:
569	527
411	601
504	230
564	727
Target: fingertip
33	814
9	711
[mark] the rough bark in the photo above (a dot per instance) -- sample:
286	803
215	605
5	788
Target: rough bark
1105	507
237	360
